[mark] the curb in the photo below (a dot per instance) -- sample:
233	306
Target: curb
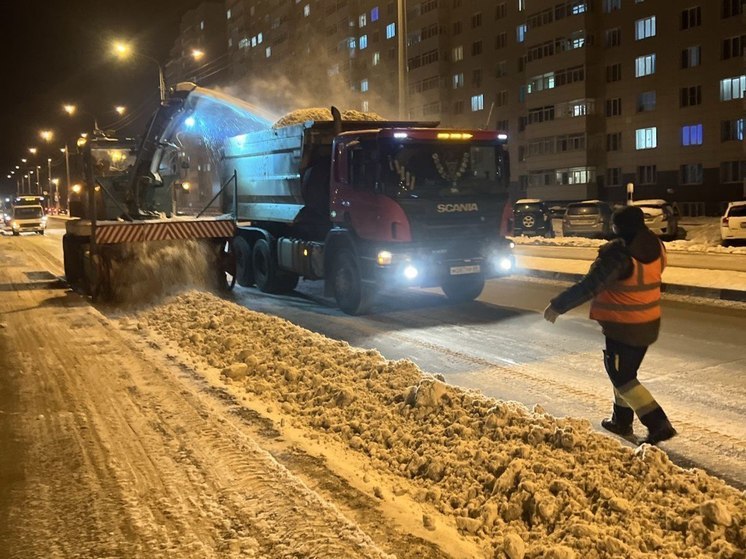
675	289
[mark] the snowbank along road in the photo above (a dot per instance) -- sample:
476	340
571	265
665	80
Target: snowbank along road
195	427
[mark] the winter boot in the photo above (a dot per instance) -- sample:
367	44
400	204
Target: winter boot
661	433
620	422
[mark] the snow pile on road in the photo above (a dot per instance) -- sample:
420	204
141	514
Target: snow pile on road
320	114
702	235
520	483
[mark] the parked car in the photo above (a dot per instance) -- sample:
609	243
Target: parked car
590	218
557	212
27	218
733	223
661	217
532	217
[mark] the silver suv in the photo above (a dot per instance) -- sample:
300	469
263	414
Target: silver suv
591	218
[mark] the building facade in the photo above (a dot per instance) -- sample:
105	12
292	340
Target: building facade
594	94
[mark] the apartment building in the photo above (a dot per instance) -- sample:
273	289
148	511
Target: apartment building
199	53
594	94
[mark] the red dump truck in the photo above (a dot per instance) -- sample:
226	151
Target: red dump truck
369	205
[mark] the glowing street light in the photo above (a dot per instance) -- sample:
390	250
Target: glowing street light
123	50
198	54
32	151
24	160
120	109
46	135
70	109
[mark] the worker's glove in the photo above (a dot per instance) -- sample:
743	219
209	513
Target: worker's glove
550	313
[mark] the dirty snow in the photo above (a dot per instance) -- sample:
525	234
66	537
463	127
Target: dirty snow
517	482
702	235
320	114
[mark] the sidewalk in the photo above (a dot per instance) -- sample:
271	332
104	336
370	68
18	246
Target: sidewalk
713	284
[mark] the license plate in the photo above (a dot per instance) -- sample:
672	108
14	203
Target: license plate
583	222
460	270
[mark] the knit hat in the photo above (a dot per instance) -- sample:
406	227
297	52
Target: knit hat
628	220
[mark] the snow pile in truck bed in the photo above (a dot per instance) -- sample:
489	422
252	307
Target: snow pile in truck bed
320	113
520	483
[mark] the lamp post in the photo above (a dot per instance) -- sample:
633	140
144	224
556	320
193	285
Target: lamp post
49	175
123	50
401	33
66	151
38	185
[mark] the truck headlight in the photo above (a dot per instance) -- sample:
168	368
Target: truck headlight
410	272
14	224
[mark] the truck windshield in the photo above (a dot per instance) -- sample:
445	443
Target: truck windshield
438	169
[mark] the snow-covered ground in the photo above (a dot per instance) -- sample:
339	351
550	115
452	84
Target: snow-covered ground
702	235
515	482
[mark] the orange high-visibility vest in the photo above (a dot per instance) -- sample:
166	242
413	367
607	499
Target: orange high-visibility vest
635	299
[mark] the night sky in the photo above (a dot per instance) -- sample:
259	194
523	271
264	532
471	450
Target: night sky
57	52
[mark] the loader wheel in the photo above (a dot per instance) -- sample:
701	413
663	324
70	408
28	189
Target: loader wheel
267	276
226	266
463	289
244	269
352	295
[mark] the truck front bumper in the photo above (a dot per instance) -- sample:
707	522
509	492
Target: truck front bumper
431	267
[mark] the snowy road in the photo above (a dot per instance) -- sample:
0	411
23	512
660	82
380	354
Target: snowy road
501	346
115	447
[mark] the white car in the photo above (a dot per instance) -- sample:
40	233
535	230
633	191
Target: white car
661	217
733	223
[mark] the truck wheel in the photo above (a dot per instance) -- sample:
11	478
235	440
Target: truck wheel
463	289
244	269
16	233
268	278
352	295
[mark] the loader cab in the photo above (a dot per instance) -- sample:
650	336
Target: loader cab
107	170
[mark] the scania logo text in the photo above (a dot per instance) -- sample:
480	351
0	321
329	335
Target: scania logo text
450	208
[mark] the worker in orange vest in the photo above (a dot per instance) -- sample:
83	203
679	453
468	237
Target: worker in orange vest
624	284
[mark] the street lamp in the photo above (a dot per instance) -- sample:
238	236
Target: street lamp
72	109
123	51
46	135
120	110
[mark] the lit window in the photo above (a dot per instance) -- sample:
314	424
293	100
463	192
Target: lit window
362	20
364	85
390	30
243	43
259	38
363	42
376	58
365	107
307	10
458	81
645	65
268	52
645	28
579	8
201	25
521	33
646	138
521	5
228	14
253	41
458	53
477	102
732	88
691	135
374	14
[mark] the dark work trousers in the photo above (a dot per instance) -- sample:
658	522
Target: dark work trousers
630	397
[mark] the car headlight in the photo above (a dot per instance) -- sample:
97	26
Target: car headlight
505	264
14	224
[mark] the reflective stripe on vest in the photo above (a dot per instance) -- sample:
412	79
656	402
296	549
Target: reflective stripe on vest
634	299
